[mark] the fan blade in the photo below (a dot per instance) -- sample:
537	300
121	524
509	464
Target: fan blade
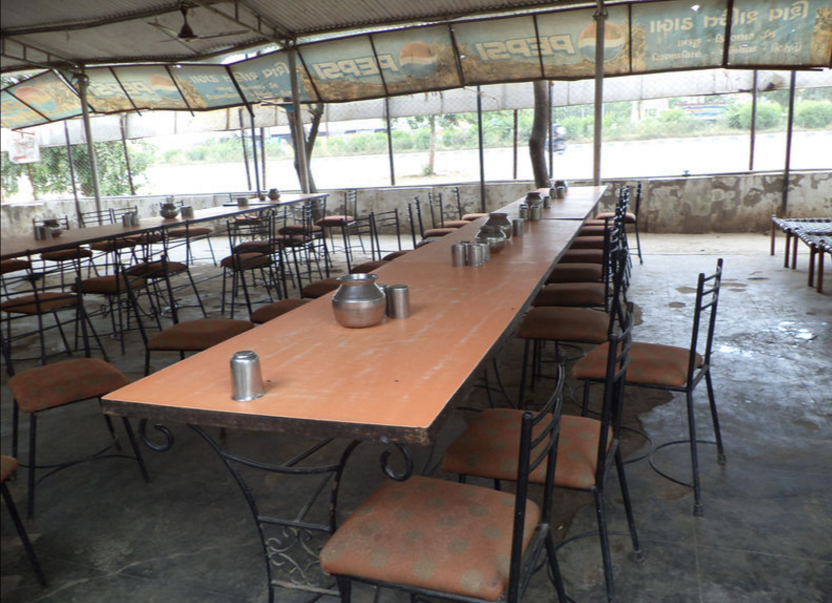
227	34
171	32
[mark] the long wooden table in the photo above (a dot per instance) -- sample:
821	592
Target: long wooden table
393	382
20	245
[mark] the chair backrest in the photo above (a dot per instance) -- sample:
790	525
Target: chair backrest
414	214
435	206
61	222
117	212
95	218
351	202
637	204
383	222
458	200
707	298
259	227
618	358
539	434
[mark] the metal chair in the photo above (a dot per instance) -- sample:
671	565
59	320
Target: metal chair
385	222
631	218
456	541
589	447
8	465
675	369
437	210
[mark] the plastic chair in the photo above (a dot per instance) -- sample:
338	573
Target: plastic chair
461	542
589	447
675	369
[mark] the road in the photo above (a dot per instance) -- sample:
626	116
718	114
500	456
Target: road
633	159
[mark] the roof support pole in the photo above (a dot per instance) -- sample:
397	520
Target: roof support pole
550	136
789	131
122	122
300	136
482	152
254	151
390	141
82	81
72	174
600	32
753	133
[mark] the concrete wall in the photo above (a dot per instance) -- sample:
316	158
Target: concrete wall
696	204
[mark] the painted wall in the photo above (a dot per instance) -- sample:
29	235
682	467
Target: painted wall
696	204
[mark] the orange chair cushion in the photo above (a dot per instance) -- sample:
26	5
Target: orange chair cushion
490	445
112	245
571	294
254	247
628	217
146	238
7	266
245	261
155	270
275	309
367	267
43	387
472	217
592	230
32	305
320	288
565	324
298	229
582	256
575	273
429	533
8	465
198	335
455	223
438	232
650	364
109	285
196	231
333	221
64	255
396	254
587	242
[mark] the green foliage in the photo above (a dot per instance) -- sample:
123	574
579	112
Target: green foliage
813	114
769	116
402	140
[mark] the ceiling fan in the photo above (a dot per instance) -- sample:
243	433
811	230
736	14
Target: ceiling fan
186	33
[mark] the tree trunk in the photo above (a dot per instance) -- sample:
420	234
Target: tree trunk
309	144
540	131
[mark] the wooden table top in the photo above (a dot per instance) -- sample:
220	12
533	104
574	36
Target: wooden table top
394	381
19	245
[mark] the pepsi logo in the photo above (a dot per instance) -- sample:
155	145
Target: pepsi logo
417	59
614	42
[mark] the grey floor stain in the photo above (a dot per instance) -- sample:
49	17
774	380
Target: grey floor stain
676	305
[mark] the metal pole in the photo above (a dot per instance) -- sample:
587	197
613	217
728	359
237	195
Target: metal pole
390	142
753	132
600	31
300	136
72	174
254	152
516	135
482	152
245	150
263	155
551	137
82	80
789	132
123	126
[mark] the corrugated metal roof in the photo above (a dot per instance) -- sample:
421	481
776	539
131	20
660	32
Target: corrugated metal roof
59	33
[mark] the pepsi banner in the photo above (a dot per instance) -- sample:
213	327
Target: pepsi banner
48	95
502	50
571	37
346	69
104	93
268	77
16	114
780	32
112	89
417	60
677	35
206	86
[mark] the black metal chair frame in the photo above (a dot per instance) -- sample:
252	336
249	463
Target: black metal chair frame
21	531
380	222
535	448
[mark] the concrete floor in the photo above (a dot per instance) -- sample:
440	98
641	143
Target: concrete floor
103	535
